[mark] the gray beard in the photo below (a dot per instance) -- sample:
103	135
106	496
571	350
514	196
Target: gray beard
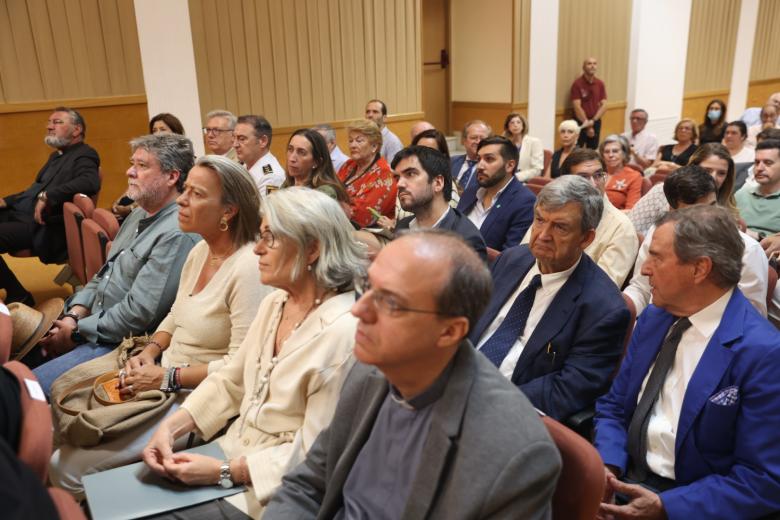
56	142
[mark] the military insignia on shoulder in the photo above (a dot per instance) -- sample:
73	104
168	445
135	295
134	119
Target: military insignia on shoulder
267	170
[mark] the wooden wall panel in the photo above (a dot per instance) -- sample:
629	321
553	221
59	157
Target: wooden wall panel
64	49
299	62
695	104
760	90
711	42
599	28
766	47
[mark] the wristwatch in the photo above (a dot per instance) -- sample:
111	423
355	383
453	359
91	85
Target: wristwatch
42	196
225	479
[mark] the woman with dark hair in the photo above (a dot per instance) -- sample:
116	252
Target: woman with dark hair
309	165
734	139
531	160
714	125
165	123
432	138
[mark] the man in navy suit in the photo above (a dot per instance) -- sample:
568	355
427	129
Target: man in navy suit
556	322
498	204
423	178
691	422
463	167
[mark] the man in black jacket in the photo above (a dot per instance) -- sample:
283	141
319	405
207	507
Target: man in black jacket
32	219
425	188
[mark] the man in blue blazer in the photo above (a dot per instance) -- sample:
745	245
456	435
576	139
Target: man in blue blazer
690	425
561	347
463	167
497	203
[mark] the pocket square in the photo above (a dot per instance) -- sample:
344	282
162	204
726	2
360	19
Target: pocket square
726	397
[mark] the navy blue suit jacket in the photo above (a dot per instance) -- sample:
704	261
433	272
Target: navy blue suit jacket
569	359
510	218
458	223
726	454
456	163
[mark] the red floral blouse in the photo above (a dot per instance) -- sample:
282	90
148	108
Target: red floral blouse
376	188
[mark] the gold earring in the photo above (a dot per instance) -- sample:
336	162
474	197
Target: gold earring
223	224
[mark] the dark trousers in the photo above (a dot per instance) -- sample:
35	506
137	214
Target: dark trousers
590	142
14	236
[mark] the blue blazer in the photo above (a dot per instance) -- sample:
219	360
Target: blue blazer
456	163
510	218
726	456
572	353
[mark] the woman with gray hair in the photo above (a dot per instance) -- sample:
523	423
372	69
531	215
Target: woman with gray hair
285	379
624	184
217	299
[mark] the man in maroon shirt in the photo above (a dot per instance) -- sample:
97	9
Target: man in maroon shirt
589	97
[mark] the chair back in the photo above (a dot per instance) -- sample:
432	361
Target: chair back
85	204
95	240
73	216
646	185
770	287
6	337
66	506
107	221
35	435
580	487
547	158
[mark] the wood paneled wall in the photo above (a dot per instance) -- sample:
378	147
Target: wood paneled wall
711	42
766	47
300	62
60	49
599	28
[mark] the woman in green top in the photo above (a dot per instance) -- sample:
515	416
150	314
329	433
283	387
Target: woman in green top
309	165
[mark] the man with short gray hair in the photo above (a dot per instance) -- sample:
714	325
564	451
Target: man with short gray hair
556	322
689	427
135	288
337	157
219	133
252	141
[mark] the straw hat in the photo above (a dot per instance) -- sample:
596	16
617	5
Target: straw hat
30	325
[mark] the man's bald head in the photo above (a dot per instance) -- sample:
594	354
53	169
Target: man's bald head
420	127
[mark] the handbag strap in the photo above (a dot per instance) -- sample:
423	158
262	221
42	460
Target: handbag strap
93	382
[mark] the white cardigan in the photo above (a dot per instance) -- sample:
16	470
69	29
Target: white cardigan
531	162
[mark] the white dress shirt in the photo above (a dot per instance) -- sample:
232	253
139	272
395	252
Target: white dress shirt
267	172
753	282
338	158
391	145
551	284
479	212
665	415
645	145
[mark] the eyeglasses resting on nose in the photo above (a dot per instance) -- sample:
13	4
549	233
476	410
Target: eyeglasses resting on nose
384	302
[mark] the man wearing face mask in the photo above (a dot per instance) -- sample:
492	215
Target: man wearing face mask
32	219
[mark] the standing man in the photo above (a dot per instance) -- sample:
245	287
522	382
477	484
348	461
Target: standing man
689	427
497	203
252	141
422	175
589	98
463	166
135	288
219	133
32	219
425	426
644	145
556	322
376	111
337	157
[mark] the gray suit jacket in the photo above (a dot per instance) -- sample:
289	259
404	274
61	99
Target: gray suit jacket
487	454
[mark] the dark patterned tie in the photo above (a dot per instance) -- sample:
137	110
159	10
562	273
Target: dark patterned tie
637	429
465	179
498	345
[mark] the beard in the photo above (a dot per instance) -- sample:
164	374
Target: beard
492	181
56	142
413	204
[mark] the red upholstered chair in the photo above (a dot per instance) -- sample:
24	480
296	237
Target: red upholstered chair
67	507
657	178
539	181
6	337
85	204
95	240
35	439
646	185
547	158
73	217
581	484
107	221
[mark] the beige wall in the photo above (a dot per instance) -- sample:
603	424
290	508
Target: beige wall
766	49
711	43
300	62
68	49
598	28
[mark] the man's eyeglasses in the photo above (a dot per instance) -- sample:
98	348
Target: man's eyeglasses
597	176
384	302
207	130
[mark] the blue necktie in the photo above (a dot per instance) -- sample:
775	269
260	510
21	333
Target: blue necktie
498	345
465	179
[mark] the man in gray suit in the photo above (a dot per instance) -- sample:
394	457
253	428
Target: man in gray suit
425	427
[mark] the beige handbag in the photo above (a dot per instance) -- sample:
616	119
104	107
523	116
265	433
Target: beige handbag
86	412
